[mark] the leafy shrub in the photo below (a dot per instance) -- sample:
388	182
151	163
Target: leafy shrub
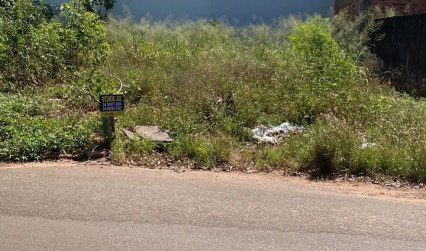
101	7
26	135
36	48
331	149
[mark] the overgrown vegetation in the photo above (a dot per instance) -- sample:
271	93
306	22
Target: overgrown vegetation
209	83
27	132
38	48
48	63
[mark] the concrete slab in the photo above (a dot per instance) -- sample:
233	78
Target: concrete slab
154	133
131	135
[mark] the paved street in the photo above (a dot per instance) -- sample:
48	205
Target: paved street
92	207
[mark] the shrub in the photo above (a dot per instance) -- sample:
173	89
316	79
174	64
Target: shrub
331	148
36	48
26	135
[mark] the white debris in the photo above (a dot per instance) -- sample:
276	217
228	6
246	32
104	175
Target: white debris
367	145
274	135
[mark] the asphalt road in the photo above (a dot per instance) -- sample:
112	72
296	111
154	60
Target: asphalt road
77	207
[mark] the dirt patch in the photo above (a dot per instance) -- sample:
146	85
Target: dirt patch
355	187
374	190
58	163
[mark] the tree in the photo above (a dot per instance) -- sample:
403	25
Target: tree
36	49
101	7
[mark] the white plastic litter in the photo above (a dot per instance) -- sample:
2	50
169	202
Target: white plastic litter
274	135
367	145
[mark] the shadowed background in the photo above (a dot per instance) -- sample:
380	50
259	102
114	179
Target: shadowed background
237	11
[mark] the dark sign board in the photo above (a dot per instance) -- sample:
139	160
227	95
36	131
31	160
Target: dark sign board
111	105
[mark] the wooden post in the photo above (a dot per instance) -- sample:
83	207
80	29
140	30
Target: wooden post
113	127
108	125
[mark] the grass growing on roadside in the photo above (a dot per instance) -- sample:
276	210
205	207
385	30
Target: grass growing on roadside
209	84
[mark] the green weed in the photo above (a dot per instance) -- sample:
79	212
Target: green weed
26	135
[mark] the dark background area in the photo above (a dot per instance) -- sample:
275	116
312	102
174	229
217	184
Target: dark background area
237	11
403	51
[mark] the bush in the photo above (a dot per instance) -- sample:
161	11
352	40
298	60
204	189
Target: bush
26	135
332	148
37	48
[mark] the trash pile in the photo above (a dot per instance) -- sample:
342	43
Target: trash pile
274	135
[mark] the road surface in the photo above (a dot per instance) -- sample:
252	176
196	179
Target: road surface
94	207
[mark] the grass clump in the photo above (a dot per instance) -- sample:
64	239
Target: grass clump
206	152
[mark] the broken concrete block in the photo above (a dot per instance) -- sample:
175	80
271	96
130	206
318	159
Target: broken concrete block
154	133
130	134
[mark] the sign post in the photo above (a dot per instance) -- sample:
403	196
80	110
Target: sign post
111	105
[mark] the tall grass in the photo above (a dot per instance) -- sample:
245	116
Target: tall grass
208	83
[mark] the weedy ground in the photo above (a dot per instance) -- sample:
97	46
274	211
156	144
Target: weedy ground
209	83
